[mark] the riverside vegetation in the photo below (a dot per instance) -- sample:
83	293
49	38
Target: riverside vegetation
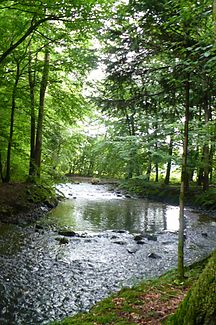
194	196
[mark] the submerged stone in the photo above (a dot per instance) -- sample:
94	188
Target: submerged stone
141	242
150	237
153	255
68	233
138	237
132	249
119	242
62	240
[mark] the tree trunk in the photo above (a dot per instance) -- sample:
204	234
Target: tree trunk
43	87
1	169
169	164
149	161
206	145
13	106
156	152
131	168
200	170
199	155
31	78
211	156
149	168
156	172
199	306
183	182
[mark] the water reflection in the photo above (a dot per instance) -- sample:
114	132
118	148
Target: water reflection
95	208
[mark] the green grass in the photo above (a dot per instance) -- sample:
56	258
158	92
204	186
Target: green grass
142	302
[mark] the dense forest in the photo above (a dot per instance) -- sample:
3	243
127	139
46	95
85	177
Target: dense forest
157	67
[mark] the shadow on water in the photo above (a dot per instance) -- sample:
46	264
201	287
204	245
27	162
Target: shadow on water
46	276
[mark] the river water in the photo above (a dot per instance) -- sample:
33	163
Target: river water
46	276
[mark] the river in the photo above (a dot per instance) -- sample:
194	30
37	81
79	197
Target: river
46	276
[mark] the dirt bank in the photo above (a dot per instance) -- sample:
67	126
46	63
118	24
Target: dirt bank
22	203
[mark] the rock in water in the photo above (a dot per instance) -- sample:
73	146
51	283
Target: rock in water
138	237
153	255
62	240
132	249
150	237
68	233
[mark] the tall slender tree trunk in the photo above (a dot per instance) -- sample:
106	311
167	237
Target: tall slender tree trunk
131	167
156	151
149	161
156	164
31	77
200	170
183	181
1	168
156	172
43	87
13	107
149	168
211	156
169	164
206	145
199	154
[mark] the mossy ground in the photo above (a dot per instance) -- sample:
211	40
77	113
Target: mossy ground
19	201
151	302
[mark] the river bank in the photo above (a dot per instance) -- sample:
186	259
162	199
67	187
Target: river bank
23	203
195	197
150	303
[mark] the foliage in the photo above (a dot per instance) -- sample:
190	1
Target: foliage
27	28
148	48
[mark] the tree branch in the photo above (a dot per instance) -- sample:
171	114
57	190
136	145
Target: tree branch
31	29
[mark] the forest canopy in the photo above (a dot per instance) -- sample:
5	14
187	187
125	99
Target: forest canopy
158	61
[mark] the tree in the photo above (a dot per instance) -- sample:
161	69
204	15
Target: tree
152	45
43	86
199	306
66	28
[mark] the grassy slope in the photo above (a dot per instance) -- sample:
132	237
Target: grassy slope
151	302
